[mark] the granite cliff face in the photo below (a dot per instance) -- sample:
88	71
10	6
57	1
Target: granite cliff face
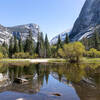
4	34
88	20
20	31
23	30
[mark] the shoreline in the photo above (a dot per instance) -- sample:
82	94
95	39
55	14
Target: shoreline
39	60
48	60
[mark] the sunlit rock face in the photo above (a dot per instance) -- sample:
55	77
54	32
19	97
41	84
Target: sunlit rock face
88	19
20	31
5	35
23	30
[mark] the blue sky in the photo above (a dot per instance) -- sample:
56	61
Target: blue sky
53	16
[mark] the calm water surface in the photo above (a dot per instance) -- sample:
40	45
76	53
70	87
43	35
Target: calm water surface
50	82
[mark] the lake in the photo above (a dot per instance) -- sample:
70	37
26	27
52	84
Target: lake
49	81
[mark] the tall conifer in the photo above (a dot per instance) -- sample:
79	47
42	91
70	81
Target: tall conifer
67	39
29	45
11	47
16	47
47	47
59	43
20	45
96	40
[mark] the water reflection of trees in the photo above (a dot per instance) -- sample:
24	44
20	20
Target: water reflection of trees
85	78
74	72
37	73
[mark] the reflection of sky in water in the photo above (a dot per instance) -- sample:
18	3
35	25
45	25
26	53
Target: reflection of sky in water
53	86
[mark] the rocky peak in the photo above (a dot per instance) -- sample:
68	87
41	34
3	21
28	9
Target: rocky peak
20	31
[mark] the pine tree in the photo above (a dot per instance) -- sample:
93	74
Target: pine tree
47	47
11	47
59	44
40	45
5	46
67	39
5	50
16	47
85	42
29	45
96	40
26	46
20	45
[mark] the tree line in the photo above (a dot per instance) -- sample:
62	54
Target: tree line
18	48
87	47
29	47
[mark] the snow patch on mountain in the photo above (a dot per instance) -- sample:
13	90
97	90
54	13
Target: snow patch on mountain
62	36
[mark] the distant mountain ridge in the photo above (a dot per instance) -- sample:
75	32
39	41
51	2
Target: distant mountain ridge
62	36
20	31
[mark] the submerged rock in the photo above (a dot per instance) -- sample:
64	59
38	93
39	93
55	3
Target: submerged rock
20	80
56	94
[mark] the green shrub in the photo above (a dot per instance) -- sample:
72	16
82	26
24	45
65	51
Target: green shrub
72	51
4	51
24	55
1	55
21	55
33	56
92	53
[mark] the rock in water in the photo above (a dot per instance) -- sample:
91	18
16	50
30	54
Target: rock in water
20	80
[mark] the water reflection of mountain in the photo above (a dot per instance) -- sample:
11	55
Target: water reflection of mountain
85	78
4	80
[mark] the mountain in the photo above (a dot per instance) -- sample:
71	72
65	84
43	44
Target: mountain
23	30
20	31
88	20
4	34
62	36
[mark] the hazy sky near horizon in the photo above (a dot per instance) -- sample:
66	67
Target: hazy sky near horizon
53	16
